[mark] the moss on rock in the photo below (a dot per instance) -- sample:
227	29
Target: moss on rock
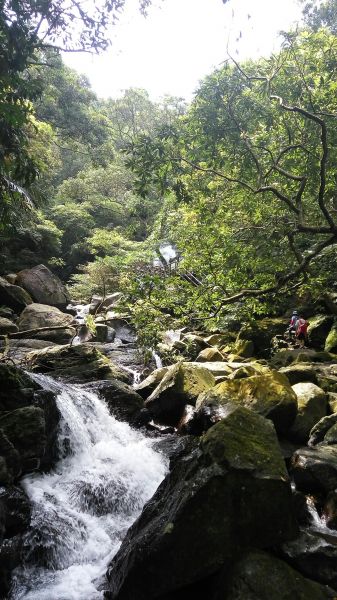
268	394
75	363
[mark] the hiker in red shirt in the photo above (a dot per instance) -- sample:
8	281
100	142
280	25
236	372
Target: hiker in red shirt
301	331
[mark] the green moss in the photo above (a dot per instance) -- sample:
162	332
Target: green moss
331	340
245	440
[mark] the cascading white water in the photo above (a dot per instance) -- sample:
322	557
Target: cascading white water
82	510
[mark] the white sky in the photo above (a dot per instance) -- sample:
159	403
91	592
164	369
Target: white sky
181	41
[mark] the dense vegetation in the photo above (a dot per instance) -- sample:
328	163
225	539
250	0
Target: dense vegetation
242	182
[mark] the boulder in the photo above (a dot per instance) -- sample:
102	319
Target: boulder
318	329
218	369
268	394
101	332
43	286
13	296
123	331
231	493
25	429
10	466
331	340
332	401
75	363
313	555
36	315
260	576
285	357
209	355
319	431
146	387
11	278
7	326
122	400
244	348
181	385
260	334
315	469
6	312
217	339
111	300
297	373
312	407
16	390
194	343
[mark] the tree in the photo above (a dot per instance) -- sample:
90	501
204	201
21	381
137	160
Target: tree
320	14
28	30
253	168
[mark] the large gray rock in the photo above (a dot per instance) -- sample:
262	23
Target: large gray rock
7	326
122	400
13	296
321	429
41	315
312	407
43	286
259	576
315	469
231	493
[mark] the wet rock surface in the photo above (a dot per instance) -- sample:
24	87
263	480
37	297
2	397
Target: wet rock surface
221	486
75	363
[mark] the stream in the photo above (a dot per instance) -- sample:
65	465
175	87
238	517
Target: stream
83	508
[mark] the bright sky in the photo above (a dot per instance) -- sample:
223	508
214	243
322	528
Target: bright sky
181	41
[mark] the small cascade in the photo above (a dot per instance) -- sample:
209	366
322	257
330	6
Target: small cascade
82	510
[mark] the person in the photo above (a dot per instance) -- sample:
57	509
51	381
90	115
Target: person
293	321
291	329
301	331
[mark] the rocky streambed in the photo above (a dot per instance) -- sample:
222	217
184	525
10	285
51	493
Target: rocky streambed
214	477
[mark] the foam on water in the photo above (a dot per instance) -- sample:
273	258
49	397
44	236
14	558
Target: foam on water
82	510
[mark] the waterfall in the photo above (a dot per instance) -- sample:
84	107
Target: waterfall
83	508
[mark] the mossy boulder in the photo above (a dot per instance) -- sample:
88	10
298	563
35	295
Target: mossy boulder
298	373
260	333
244	348
268	394
285	357
331	340
75	363
312	407
230	493
17	389
318	330
260	576
209	355
181	385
